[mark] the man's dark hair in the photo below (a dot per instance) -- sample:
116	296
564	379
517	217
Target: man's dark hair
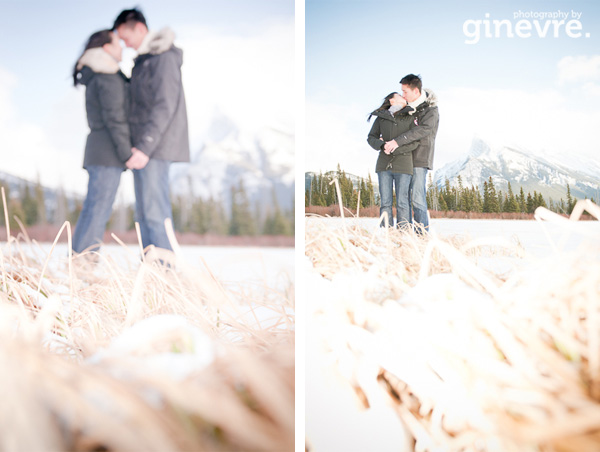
412	80
130	17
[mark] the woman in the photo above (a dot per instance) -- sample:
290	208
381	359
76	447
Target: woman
108	144
394	168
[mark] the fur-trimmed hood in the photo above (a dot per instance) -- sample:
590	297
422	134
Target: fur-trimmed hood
98	61
385	113
157	42
432	99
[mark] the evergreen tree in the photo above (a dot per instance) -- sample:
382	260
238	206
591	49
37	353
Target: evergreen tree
477	200
540	201
364	195
442	202
492	204
500	201
61	212
521	201
242	221
30	207
276	223
530	205
459	200
370	192
449	197
486	197
216	221
571	201
511	204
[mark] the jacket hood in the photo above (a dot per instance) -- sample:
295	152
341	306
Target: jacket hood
157	42
98	61
385	114
432	99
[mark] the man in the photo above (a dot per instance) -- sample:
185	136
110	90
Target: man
427	119
157	119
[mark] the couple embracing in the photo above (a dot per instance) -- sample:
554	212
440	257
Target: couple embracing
138	124
404	133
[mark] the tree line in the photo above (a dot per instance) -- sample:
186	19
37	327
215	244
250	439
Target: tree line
486	199
322	192
29	206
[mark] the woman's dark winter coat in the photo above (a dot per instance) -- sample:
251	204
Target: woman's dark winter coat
385	128
106	103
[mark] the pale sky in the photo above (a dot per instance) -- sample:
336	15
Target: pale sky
238	61
541	93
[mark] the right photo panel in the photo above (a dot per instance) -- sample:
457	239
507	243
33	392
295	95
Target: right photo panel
452	184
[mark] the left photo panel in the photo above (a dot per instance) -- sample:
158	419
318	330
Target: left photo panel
147	249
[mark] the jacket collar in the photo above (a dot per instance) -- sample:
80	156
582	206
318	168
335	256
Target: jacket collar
157	42
385	114
98	61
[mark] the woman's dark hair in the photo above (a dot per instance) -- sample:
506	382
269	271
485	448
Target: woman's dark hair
98	39
385	105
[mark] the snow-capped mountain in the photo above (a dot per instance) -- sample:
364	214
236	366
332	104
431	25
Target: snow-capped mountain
263	160
522	168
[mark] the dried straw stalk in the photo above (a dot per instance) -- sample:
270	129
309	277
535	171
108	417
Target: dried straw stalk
68	386
469	359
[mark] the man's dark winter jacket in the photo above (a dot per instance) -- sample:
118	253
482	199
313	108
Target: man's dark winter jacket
106	101
158	117
387	127
428	120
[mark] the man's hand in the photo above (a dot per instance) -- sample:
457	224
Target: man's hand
390	146
138	160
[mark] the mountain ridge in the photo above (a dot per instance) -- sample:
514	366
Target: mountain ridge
520	167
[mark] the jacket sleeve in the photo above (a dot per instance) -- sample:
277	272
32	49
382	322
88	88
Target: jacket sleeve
111	96
425	128
166	91
406	148
374	136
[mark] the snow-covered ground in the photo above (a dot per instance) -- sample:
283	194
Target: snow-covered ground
341	354
539	239
273	267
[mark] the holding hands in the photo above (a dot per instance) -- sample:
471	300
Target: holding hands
138	160
390	146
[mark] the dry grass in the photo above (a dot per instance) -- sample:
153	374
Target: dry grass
467	359
78	375
373	212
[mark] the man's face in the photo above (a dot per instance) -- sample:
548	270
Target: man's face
410	94
131	36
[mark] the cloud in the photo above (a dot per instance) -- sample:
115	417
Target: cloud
338	134
578	69
546	121
27	143
249	78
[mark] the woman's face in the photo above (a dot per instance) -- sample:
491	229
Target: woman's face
397	100
113	48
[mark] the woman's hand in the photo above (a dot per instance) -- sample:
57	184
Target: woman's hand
390	146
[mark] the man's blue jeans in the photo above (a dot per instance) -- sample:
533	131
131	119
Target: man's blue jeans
97	207
401	182
418	197
153	202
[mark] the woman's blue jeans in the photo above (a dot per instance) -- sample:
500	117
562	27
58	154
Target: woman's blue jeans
401	182
97	207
